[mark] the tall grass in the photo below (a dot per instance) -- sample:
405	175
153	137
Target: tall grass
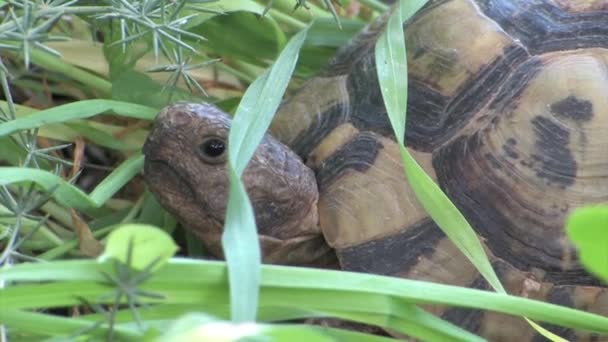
62	84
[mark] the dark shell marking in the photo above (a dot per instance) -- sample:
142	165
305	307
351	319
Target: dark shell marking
358	155
543	26
308	139
553	160
385	255
573	108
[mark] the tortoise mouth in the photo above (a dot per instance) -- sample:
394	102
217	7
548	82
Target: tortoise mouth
161	176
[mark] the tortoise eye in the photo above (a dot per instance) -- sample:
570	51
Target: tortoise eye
213	150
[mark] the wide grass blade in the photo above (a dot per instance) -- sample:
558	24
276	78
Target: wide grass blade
204	284
50	325
408	319
252	118
98	133
241	251
77	110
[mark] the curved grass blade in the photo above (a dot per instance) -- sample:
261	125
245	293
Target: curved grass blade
252	119
70	195
391	64
77	110
98	133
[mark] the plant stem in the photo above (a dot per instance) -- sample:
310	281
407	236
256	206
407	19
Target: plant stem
302	14
375	5
28	225
287	19
72	244
245	76
58	213
135	209
54	63
248	69
7	93
10	25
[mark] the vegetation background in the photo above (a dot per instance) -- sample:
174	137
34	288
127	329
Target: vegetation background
87	253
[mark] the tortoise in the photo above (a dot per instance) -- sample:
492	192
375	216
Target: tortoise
507	111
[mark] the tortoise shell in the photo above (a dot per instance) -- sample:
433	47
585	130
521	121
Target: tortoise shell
507	109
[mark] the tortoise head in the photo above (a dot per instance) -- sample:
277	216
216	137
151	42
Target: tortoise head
186	169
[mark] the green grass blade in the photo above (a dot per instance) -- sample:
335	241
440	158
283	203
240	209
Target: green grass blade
306	333
96	132
59	65
546	333
65	193
252	118
260	102
70	195
411	320
77	110
204	283
119	176
449	218
10	152
392	74
63	326
391	66
242	252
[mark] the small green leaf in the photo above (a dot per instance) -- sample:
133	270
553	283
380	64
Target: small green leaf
200	327
150	245
587	227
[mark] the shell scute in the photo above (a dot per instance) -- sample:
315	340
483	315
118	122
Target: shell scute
507	110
